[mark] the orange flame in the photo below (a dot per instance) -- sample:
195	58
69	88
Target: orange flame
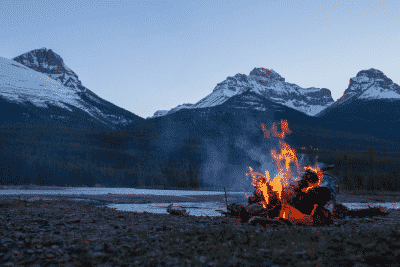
318	171
283	176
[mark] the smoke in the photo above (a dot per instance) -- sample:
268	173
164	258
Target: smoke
260	154
227	162
213	166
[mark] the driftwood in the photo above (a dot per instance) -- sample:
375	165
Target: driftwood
172	211
340	211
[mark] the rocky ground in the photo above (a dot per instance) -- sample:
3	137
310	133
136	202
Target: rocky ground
63	232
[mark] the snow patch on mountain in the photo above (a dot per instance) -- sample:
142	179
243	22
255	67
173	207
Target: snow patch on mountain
20	84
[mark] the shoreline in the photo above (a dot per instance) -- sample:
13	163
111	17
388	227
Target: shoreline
343	197
43	187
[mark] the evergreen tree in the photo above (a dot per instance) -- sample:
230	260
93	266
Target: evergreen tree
345	172
371	158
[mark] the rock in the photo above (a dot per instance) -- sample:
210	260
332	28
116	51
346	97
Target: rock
265	221
339	211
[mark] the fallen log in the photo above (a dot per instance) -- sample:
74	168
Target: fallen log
340	211
178	212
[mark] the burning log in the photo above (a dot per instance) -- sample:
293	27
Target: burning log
304	203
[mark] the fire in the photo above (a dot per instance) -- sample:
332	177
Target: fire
283	175
318	171
260	182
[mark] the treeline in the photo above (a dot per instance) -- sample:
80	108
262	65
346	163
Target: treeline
86	164
361	170
78	159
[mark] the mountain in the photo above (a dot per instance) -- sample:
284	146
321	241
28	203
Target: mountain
158	113
272	86
370	104
37	88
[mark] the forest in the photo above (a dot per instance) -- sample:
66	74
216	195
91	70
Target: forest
84	161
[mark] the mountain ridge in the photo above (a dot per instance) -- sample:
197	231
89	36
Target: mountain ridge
269	84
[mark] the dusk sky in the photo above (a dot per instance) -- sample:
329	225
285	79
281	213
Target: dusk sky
152	55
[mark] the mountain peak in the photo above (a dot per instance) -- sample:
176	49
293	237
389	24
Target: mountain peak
268	73
46	61
372	74
43	60
369	84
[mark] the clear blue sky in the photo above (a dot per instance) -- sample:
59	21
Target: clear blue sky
150	55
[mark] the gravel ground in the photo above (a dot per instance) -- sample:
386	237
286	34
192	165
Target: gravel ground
62	232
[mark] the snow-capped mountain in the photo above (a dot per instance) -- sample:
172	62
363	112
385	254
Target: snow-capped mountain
368	85
40	80
370	104
272	86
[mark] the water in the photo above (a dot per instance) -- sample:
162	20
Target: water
389	205
118	191
196	209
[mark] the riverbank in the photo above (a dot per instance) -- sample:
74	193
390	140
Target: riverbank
343	197
70	233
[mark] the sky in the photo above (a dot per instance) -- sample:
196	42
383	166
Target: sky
146	56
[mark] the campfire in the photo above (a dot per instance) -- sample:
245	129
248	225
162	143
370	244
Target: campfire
292	196
295	196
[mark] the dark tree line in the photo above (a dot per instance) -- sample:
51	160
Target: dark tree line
62	158
362	170
73	164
